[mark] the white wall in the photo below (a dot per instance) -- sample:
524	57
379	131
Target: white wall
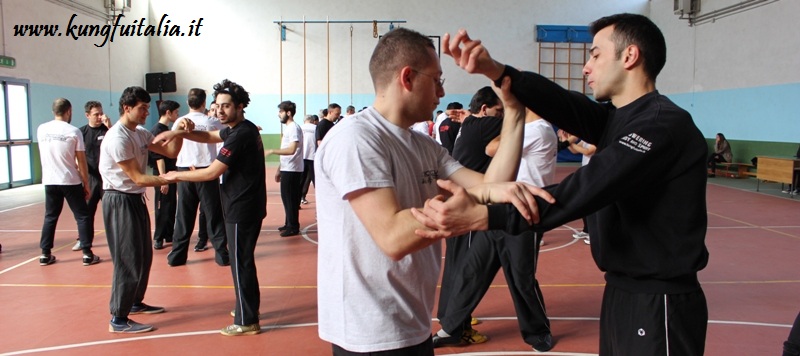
737	75
61	66
239	41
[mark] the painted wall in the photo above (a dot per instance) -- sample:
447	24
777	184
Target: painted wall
737	75
62	66
240	41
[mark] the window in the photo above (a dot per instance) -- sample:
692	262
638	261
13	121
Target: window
563	51
15	134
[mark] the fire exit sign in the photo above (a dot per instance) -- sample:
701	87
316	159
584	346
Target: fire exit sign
9	62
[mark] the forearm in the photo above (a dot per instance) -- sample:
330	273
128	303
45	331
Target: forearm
282	151
197	175
505	163
203	136
83	169
146	180
161	166
396	237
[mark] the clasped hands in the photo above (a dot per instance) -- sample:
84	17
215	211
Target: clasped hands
464	209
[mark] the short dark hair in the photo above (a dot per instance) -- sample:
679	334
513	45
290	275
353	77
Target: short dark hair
236	91
61	106
132	96
167	105
484	96
351	108
325	112
399	48
197	98
288	106
91	104
638	30
455	105
332	106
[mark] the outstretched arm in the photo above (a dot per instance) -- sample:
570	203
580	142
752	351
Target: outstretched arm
472	57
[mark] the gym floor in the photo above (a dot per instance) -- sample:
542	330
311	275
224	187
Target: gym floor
751	283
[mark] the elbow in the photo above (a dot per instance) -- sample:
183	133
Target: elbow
395	255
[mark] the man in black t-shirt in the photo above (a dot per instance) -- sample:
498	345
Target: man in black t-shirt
93	134
326	123
244	196
477	130
450	125
166	196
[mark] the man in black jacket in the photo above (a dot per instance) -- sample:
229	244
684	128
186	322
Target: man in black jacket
649	241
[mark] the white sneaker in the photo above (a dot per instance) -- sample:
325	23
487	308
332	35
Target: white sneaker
586	241
580	235
541	242
77	246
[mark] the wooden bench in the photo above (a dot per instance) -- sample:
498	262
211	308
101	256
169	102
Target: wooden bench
735	169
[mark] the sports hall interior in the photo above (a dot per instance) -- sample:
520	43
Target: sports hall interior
730	63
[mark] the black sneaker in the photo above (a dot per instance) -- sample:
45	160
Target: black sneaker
544	343
452	340
47	260
200	248
146	309
129	327
287	233
158	245
283	228
90	260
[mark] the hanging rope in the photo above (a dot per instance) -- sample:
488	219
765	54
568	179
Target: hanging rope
374	28
351	64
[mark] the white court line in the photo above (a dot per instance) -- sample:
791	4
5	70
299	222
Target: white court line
18	265
140	338
304	233
19	207
485	353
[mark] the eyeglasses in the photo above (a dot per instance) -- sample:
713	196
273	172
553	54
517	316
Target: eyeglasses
438	81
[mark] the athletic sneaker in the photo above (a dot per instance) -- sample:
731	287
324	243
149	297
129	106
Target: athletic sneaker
238	330
146	309
543	343
200	248
580	235
90	260
77	246
129	327
47	260
472	336
304	202
468	336
586	241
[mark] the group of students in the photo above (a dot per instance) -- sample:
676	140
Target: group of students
378	268
117	175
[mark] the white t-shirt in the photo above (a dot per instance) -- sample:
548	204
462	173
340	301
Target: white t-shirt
309	140
122	144
198	154
366	301
58	142
421	127
539	151
436	125
293	162
585	159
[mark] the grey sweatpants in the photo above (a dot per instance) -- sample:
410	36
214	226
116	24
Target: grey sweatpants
127	225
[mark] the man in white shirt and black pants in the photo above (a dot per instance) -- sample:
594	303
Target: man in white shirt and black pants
197	155
65	176
291	170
